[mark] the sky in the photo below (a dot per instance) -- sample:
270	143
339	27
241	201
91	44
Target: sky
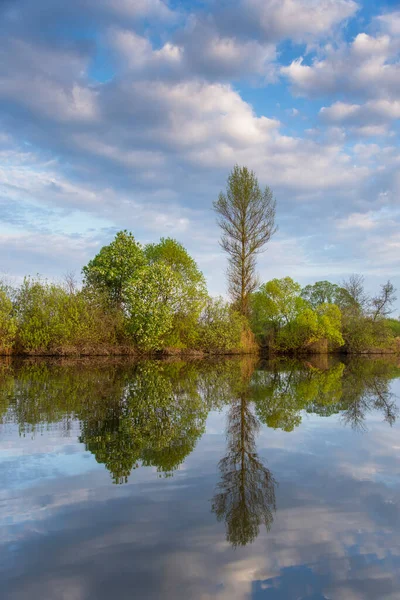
130	114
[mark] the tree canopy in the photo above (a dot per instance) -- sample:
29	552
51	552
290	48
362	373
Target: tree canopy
246	215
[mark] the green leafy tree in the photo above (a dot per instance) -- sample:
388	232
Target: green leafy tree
282	316
188	297
322	292
115	264
149	300
276	303
246	215
394	326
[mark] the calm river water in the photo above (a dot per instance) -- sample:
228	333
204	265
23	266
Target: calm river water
226	479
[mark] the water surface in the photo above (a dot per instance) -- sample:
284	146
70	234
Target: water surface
225	479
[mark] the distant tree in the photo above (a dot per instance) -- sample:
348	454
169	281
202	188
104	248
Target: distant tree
321	292
277	302
247	219
357	298
382	303
110	270
50	317
394	325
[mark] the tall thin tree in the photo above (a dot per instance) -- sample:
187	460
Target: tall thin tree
246	215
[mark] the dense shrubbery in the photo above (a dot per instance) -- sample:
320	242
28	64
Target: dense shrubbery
286	321
287	318
8	326
139	298
48	316
152	298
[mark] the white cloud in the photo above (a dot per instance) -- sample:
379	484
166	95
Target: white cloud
390	22
368	66
138	8
357	221
49	83
300	20
374	113
219	57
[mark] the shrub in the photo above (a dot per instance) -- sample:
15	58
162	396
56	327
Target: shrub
49	317
8	326
220	327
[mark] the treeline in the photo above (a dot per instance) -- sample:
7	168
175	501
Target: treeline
149	298
154	298
133	299
324	317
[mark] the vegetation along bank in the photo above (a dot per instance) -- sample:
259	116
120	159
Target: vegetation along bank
138	299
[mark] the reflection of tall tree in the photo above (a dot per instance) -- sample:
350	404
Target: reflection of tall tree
245	497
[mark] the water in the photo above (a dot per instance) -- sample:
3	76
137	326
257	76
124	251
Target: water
229	479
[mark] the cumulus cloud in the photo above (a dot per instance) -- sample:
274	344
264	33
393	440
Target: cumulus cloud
273	20
374	113
368	66
220	57
47	81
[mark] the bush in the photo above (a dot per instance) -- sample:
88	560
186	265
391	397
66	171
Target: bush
220	327
362	334
49	317
394	326
8	326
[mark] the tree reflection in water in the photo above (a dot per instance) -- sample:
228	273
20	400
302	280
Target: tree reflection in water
152	413
245	496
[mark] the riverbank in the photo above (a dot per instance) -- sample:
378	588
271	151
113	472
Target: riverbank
250	349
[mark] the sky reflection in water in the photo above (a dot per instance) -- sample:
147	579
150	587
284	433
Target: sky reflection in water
231	479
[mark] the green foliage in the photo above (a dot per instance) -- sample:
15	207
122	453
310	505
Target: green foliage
323	292
246	215
276	303
394	326
148	413
281	394
220	327
155	298
280	313
189	295
49	317
363	333
110	270
152	413
149	298
8	326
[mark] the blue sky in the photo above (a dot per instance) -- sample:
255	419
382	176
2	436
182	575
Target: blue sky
130	114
